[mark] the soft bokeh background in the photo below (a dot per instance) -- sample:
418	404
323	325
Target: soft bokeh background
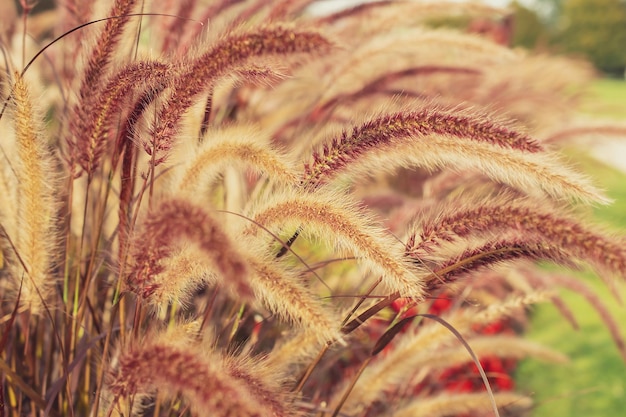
594	383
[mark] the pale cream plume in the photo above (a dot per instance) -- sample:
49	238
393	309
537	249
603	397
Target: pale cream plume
457	404
531	172
239	146
36	240
346	227
282	293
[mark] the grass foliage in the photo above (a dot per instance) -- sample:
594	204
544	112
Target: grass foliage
281	214
606	99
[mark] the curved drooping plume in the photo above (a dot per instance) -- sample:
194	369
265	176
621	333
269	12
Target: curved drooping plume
227	55
175	220
434	140
207	380
346	227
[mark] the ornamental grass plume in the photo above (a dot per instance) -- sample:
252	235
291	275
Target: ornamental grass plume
462	404
229	54
518	169
208	381
30	233
325	216
92	85
460	221
93	132
241	208
175	220
234	146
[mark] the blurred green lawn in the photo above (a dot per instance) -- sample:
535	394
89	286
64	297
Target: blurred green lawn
607	99
594	383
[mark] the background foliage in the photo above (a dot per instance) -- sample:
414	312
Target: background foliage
595	29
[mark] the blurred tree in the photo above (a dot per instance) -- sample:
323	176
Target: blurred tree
528	29
596	29
549	10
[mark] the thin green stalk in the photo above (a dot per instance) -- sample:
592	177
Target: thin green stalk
68	237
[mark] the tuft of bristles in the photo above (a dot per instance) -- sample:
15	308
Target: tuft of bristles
93	130
209	381
174	220
229	54
36	240
239	146
401	140
325	214
390	129
93	83
459	221
458	404
283	293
